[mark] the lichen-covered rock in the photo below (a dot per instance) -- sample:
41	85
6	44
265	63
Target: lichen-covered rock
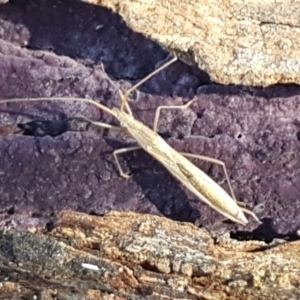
134	256
52	160
236	42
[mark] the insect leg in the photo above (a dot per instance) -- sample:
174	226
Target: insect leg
125	97
127	94
206	158
116	152
214	161
222	164
158	111
249	212
100	124
120	151
122	96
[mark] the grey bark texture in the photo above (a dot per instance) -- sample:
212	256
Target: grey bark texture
134	256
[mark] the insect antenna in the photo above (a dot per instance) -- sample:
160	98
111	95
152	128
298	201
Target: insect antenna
122	96
125	97
127	94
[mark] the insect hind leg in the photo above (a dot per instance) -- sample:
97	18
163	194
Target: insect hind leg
222	164
214	161
249	212
205	158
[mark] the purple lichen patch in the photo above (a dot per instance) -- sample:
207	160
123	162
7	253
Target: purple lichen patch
49	164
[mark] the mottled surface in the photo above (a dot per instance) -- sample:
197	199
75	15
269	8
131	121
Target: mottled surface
253	43
133	256
56	49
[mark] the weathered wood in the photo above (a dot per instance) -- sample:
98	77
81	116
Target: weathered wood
143	257
251	43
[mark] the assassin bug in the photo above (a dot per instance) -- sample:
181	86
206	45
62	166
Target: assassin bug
194	179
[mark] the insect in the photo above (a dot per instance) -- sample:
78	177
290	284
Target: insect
175	162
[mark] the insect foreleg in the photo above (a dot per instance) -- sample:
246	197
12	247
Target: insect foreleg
127	94
125	97
121	151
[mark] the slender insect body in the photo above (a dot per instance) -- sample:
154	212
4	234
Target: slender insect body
211	193
181	168
140	132
176	163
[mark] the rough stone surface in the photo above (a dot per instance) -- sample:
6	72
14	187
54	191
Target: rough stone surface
254	131
52	160
253	43
134	256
